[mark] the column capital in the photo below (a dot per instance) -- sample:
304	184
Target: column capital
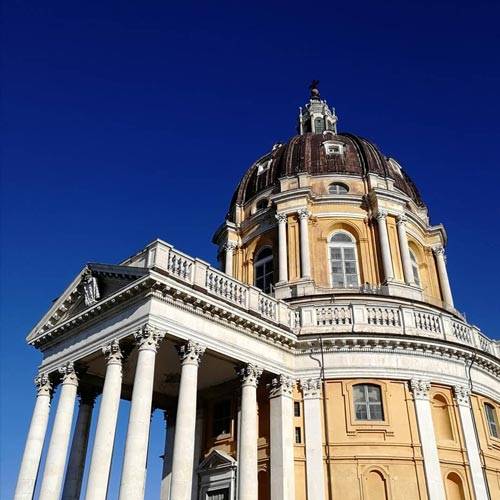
462	395
401	219
439	250
420	388
43	385
68	374
229	246
303	213
311	387
282	218
281	386
249	374
381	214
190	352
113	353
148	338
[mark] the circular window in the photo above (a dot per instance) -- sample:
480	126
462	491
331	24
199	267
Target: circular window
338	188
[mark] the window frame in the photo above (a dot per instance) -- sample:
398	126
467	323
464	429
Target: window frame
415	268
492	420
367	404
262	262
353	244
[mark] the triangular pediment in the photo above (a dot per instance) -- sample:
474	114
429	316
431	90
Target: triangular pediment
217	459
93	284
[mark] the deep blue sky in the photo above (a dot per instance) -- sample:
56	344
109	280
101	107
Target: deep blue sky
127	121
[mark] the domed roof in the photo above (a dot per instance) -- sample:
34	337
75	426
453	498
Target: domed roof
307	153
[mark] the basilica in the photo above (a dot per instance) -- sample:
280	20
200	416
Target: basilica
322	359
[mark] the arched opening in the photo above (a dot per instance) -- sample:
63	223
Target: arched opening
338	188
261	204
376	487
441	418
415	268
264	269
454	487
343	260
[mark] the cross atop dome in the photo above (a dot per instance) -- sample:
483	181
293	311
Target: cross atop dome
316	117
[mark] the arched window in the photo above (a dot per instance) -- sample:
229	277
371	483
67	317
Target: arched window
338	188
263	269
368	402
491	417
261	204
414	268
319	125
343	260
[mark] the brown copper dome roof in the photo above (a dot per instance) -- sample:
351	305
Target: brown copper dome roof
305	153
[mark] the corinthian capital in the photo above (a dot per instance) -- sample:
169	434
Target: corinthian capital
462	395
381	214
229	246
438	251
43	385
401	219
303	213
148	337
68	374
311	387
281	386
249	374
113	353
281	218
420	388
190	352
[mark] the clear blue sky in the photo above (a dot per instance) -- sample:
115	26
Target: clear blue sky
127	121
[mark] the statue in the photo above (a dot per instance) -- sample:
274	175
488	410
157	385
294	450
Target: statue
314	89
89	287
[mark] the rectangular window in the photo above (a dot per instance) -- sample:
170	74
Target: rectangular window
298	435
221	418
368	402
296	409
492	419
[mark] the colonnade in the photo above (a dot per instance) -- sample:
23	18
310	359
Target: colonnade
183	443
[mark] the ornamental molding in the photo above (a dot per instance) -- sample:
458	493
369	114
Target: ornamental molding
249	374
190	352
68	374
420	388
311	387
462	395
281	385
113	353
43	385
148	338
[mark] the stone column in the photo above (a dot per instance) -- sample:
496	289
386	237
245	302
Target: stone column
315	470
385	248
405	250
59	440
166	477
229	247
462	397
183	458
136	445
432	468
78	453
282	437
282	248
444	282
198	436
102	453
34	443
305	258
247	468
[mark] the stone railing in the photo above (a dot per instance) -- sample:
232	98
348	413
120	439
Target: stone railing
202	276
378	318
366	317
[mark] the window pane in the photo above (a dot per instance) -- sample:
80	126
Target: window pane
492	421
376	411
336	253
373	394
296	409
361	413
338	281
349	254
350	267
298	435
359	393
341	238
352	280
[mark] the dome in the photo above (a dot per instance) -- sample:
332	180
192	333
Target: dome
307	153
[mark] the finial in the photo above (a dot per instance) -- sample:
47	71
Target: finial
314	90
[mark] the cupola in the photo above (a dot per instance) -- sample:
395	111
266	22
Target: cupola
316	116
